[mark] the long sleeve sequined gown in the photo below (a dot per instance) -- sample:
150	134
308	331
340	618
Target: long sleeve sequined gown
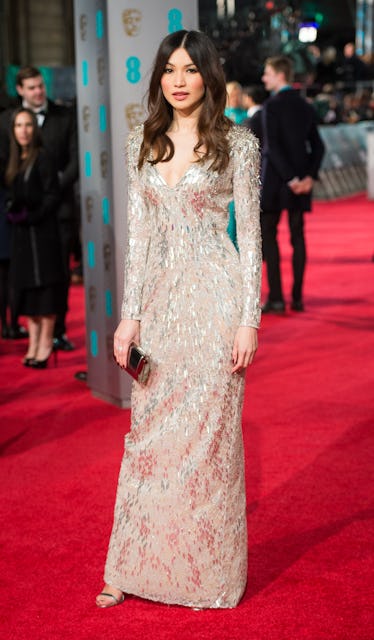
179	533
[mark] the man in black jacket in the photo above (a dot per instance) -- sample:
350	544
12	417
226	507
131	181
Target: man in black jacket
59	134
292	153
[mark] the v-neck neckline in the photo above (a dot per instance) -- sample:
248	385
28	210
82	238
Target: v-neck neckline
165	182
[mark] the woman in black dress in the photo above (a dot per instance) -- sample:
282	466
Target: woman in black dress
36	269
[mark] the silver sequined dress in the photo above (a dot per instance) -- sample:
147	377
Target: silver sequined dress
179	533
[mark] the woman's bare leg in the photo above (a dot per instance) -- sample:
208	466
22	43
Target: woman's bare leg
45	345
34	327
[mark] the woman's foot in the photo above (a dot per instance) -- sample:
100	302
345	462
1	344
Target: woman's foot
44	351
29	358
109	597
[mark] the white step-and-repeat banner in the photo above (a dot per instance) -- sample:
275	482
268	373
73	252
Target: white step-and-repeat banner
116	43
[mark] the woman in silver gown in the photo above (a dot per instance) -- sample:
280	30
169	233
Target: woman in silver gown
193	303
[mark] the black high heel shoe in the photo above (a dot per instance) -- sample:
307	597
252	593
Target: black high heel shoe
42	364
27	362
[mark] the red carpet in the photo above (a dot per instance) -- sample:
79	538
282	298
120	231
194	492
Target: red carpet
308	424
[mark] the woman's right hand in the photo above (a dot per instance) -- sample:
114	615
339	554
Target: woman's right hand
128	331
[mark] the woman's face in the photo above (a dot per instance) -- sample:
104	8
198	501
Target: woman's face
23	129
235	98
181	83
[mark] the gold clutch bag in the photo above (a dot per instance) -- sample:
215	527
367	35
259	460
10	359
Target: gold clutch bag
138	365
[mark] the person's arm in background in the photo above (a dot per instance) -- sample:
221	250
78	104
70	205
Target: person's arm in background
43	202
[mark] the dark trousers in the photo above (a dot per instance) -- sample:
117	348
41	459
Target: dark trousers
9	298
270	248
4	292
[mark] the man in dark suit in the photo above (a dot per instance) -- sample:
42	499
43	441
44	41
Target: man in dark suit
59	134
292	153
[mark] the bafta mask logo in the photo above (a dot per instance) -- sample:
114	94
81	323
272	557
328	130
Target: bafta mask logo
89	208
107	256
86	115
83	26
132	19
134	114
100	68
104	164
92	296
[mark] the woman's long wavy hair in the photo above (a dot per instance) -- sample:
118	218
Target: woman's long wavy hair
212	124
16	163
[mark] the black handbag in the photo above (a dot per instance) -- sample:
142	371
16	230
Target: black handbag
138	365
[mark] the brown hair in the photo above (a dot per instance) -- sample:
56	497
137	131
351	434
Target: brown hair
25	73
15	163
281	64
212	124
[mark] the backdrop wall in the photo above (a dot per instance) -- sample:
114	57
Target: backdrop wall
115	46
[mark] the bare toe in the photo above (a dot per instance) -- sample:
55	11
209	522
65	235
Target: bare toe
109	597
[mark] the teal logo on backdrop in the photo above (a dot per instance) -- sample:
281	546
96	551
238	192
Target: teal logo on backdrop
87	164
106	210
85	73
91	254
102	118
133	74
99	24
175	17
94	344
108	303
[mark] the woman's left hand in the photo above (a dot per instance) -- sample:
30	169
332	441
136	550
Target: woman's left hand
244	349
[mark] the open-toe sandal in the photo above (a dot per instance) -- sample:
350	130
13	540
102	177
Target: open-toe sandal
114	602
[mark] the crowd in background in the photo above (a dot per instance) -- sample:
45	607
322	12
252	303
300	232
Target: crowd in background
38	222
338	82
341	87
